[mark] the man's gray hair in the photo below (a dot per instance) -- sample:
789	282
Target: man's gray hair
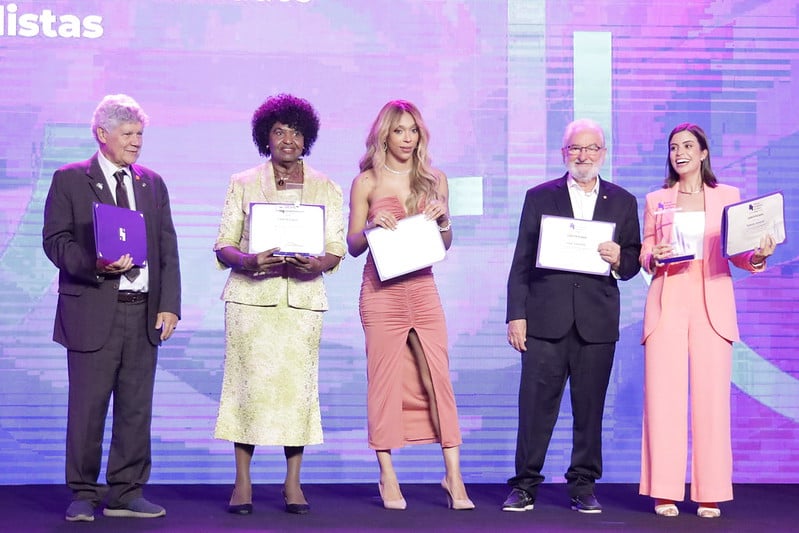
116	109
582	124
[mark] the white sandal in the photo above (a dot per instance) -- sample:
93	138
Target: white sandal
666	509
708	512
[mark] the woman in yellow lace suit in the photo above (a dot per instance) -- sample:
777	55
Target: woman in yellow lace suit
274	304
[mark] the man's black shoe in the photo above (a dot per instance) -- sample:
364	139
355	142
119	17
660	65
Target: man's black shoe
586	503
518	500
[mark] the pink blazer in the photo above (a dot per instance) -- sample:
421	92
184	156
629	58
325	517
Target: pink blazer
719	297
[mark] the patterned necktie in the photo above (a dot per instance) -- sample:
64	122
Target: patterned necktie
122	201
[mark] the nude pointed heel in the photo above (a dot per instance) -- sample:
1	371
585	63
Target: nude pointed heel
392	505
456	505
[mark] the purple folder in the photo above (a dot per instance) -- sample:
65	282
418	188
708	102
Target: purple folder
119	231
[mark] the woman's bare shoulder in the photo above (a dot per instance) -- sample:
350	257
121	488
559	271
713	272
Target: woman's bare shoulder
365	181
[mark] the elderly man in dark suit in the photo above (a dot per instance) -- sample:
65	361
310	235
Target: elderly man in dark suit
564	323
111	315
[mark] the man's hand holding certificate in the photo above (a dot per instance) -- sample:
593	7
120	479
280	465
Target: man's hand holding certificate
746	223
574	245
293	229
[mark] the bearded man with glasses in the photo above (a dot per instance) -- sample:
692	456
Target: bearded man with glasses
565	324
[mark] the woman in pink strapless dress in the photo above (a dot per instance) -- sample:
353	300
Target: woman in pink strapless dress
409	397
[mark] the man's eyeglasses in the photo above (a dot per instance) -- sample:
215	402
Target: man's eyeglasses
575	149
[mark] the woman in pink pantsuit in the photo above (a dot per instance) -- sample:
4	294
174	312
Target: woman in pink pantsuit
689	327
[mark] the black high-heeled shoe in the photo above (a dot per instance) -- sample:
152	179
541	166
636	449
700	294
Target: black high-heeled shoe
241	508
296	508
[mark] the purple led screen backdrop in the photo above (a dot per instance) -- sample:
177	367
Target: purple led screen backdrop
497	83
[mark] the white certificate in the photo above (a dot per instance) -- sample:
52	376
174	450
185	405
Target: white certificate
744	223
415	244
294	228
572	244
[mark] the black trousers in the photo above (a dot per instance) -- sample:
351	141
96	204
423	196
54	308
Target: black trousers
125	369
546	366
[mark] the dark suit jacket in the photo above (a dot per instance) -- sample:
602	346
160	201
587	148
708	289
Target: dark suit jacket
86	299
553	300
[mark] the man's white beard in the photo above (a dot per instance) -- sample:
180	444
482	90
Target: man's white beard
581	174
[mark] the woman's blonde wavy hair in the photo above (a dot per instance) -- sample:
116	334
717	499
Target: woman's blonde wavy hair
424	181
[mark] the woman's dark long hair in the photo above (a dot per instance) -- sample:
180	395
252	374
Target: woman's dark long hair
708	177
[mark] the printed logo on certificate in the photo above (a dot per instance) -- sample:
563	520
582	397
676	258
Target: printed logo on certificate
572	244
743	224
294	228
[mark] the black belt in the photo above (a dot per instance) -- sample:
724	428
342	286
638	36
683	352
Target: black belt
131	297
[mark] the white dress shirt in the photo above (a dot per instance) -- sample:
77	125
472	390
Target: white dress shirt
583	202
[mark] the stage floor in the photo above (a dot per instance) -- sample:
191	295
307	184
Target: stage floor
357	508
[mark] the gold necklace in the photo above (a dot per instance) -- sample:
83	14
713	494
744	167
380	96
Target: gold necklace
397	172
288	177
700	189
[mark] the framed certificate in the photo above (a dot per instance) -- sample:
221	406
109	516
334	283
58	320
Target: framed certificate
572	244
415	244
744	223
294	228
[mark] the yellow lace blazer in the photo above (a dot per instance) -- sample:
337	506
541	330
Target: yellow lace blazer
258	185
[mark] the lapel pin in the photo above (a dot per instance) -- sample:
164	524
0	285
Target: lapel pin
100	186
604	196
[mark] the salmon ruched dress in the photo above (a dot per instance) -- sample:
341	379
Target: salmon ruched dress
398	408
